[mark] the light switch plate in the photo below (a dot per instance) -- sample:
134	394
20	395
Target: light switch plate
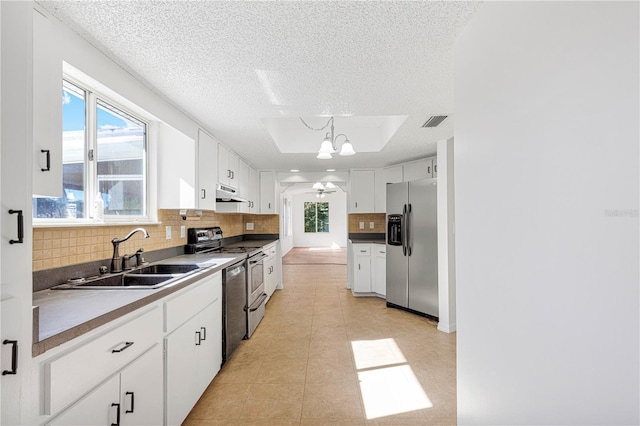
371	225
361	225
168	232
249	226
183	231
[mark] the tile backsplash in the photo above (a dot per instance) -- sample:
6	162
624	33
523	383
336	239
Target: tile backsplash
56	247
378	219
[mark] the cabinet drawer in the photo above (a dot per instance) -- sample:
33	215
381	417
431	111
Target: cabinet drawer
73	373
361	249
185	305
381	251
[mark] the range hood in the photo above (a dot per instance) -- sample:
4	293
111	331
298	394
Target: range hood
227	194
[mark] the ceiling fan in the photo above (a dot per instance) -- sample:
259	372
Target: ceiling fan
321	190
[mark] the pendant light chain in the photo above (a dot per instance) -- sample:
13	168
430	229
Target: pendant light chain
317	130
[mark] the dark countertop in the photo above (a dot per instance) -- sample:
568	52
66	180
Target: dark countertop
367	241
67	314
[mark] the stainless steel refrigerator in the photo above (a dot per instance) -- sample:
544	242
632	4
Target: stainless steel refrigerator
412	246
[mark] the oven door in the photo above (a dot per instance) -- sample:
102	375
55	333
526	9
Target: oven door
256	296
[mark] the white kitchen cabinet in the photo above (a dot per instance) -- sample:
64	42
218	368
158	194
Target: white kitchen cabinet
435	167
244	185
193	349
379	279
362	191
420	169
131	397
382	178
268	193
175	169
228	163
361	268
270	270
254	190
15	194
207	171
47	109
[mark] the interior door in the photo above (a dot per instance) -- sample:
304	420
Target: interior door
423	240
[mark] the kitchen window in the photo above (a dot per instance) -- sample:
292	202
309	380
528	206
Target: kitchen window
104	154
316	216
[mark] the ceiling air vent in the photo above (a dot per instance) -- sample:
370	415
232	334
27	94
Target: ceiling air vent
434	120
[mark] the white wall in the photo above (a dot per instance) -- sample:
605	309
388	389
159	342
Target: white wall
286	241
446	238
337	221
547	189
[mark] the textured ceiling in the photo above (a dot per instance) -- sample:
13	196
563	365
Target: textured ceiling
231	64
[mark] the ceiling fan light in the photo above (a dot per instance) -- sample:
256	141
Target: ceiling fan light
318	185
329	185
324	156
347	148
326	147
322	195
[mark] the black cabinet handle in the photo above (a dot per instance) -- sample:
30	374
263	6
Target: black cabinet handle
356	204
435	168
199	337
117	423
204	193
20	227
126	345
14	357
204	333
46	151
132	402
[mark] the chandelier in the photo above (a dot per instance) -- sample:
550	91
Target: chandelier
329	144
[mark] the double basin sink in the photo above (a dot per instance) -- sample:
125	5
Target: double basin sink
146	277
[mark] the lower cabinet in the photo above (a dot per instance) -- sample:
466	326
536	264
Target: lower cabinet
379	279
367	269
133	396
362	268
193	358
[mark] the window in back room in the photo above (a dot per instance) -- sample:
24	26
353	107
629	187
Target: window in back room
316	216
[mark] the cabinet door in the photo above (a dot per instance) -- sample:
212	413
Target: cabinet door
99	407
420	169
234	163
380	270
181	369
47	109
10	310
207	171
362	194
176	165
224	173
210	348
254	184
435	167
362	268
141	392
244	185
268	193
270	275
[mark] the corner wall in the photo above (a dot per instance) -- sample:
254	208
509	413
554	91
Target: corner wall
547	190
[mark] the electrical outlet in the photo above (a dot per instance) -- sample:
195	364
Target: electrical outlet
168	232
249	226
361	225
183	231
372	225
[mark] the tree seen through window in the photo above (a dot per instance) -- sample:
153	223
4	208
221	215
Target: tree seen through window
316	216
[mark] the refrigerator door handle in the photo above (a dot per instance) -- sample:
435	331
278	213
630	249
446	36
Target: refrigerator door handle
409	213
403	229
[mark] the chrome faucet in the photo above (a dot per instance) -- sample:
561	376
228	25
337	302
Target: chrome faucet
116	261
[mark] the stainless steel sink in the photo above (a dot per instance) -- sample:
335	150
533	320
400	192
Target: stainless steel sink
148	277
164	269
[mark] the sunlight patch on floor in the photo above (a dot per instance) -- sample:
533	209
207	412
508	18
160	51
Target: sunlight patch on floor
387	383
333	247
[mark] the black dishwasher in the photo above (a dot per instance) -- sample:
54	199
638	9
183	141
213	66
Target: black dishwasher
234	298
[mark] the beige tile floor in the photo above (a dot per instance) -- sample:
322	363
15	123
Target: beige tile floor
323	357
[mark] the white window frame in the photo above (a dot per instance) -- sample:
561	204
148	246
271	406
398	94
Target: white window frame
92	96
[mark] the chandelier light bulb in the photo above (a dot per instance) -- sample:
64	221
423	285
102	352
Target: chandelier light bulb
347	148
326	147
324	156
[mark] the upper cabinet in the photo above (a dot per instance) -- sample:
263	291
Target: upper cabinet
420	169
244	189
207	171
227	167
382	178
254	190
175	169
268	193
47	109
362	191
